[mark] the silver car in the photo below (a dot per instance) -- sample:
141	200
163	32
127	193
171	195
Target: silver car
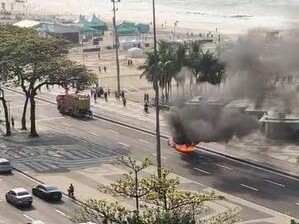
19	197
5	166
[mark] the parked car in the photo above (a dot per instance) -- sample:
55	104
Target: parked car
19	197
46	192
5	166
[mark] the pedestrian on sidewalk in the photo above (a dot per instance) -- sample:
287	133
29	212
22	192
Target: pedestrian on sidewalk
95	96
147	98
105	69
116	95
144	98
91	92
122	94
12	122
100	69
106	96
124	102
99	55
108	91
145	110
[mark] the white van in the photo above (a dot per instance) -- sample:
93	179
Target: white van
5	166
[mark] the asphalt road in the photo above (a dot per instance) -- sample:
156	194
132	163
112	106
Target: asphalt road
50	213
98	140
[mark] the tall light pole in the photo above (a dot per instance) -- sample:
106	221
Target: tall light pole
156	86
116	45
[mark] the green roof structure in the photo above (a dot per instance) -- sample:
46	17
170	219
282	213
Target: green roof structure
127	29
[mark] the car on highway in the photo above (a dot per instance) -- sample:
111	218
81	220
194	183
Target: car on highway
19	197
5	166
46	192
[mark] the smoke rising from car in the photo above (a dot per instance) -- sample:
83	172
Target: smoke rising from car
259	67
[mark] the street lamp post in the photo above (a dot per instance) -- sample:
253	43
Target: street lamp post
158	144
116	45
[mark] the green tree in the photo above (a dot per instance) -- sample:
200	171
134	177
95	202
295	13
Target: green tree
163	203
131	185
171	59
31	62
205	66
6	115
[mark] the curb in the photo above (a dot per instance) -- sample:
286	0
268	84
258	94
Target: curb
76	201
269	168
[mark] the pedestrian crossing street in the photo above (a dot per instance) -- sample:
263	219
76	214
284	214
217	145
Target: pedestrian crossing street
57	158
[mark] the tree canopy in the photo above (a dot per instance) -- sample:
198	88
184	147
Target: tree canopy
31	61
161	202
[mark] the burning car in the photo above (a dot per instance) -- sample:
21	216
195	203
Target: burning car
184	148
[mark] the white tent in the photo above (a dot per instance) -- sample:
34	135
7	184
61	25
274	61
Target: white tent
136	52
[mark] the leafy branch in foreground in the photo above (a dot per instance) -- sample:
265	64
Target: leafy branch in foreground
162	201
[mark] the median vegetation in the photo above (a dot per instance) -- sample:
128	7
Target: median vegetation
157	201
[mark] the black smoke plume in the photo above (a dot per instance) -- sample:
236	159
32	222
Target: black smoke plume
209	124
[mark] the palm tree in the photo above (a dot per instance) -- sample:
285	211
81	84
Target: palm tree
205	66
171	59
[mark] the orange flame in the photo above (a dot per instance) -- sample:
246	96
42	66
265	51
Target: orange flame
185	148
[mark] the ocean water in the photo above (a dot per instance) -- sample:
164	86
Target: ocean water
233	14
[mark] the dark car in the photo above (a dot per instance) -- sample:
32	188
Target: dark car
46	192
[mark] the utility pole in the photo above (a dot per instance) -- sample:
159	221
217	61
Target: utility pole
158	140
116	45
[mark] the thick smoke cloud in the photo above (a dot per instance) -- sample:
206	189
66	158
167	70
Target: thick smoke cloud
260	68
258	63
209	124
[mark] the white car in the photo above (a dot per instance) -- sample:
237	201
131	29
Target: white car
19	197
5	166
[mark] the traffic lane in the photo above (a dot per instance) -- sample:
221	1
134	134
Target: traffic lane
214	171
117	130
40	210
10	216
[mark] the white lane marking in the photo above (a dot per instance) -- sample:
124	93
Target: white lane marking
204	148
66	124
123	144
92	133
225	167
275	183
28	217
251	188
61	213
115	132
162	157
144	141
201	170
49	119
